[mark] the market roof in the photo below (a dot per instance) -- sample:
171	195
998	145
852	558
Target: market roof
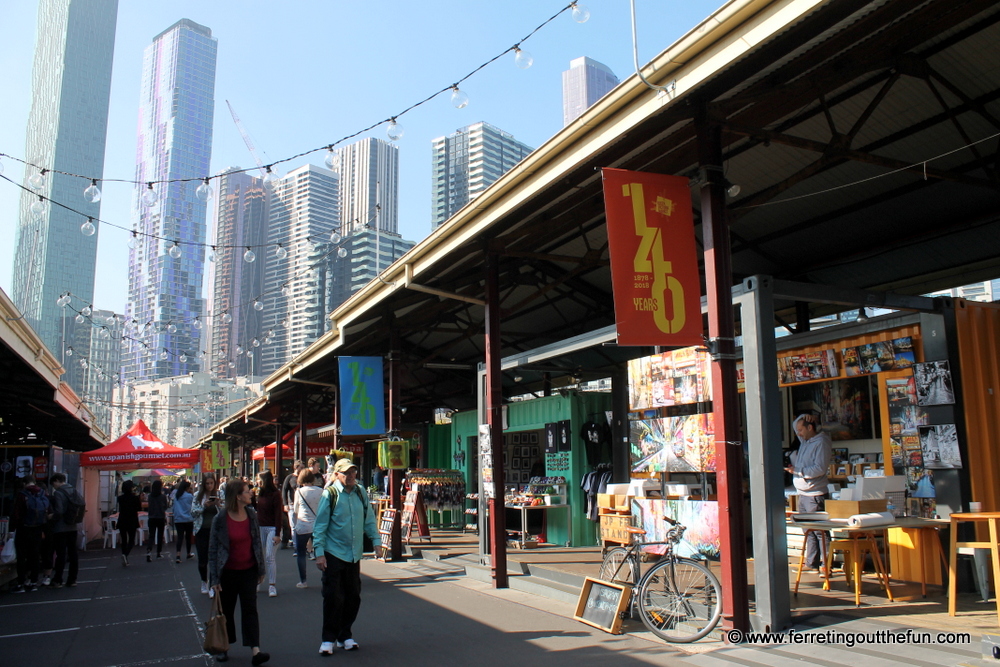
863	137
36	407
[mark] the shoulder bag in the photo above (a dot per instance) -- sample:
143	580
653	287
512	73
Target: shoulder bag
216	636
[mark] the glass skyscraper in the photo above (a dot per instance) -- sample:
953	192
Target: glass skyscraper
467	162
176	107
585	82
67	128
369	175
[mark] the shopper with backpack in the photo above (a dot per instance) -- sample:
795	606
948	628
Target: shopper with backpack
31	511
68	510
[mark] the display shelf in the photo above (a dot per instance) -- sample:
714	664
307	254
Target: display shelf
471	513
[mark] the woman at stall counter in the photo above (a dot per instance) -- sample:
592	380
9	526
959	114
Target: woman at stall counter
236	567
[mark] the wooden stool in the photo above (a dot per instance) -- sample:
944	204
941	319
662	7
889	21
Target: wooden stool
854	550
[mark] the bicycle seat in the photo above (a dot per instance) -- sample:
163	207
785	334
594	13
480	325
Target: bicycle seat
635	531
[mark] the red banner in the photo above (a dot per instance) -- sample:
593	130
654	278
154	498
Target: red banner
654	262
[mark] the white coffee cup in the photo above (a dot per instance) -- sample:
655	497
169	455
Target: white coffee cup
975	507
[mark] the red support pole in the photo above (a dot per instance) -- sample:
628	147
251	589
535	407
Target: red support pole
494	419
725	398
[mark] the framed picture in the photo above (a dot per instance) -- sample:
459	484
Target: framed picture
842	470
533	438
913	506
515	438
840	454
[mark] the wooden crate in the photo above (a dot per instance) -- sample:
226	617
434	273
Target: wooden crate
613	528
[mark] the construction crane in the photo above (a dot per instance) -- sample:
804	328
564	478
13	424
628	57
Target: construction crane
247	140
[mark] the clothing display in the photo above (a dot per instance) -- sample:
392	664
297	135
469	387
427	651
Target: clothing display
439	489
394	454
597	440
593	483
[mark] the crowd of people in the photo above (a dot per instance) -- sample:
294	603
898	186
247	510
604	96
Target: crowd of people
233	526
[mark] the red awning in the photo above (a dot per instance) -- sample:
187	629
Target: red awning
140	448
268	453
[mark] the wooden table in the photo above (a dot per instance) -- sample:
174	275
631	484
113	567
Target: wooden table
993	521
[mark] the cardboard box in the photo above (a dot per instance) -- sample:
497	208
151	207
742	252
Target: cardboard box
844	509
609	500
624	502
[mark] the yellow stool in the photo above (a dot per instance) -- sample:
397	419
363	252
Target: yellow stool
854	550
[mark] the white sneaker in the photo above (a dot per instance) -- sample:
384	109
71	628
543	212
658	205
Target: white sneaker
211	593
326	648
272	591
46	581
302	584
350	645
204	588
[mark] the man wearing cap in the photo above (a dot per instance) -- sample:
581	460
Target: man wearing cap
343	517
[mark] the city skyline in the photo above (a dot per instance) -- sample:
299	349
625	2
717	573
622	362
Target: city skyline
585	82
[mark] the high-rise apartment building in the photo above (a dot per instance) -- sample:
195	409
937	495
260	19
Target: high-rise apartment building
368	253
67	128
175	142
241	219
585	82
467	162
304	212
369	176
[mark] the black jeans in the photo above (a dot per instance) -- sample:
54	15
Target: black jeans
28	543
201	544
241	584
156	527
128	539
185	529
341	598
66	551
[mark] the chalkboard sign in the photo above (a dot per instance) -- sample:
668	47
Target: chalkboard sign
603	604
385	532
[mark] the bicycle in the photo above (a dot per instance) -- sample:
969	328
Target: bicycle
678	598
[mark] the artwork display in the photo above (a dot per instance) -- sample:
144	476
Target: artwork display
888	355
844	406
673	444
939	446
677	377
810	366
701	518
933	383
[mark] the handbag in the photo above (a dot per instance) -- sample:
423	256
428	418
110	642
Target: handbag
216	635
8	555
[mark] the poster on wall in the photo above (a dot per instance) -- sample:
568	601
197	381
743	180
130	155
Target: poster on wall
677	377
888	355
933	381
939	446
844	406
809	366
700	517
673	444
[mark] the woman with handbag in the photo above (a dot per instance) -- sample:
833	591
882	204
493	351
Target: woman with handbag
307	497
206	505
236	567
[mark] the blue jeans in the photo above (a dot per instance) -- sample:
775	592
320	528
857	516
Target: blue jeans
300	553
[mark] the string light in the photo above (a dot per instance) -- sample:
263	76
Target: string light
330	160
38	208
270	178
280	252
394	130
459	99
148	197
93	193
37	181
175	250
249	256
204	191
580	13
335	237
88	228
258	305
522	58
133	240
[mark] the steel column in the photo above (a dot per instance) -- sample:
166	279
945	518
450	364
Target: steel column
725	398
277	448
767	487
300	451
620	473
494	420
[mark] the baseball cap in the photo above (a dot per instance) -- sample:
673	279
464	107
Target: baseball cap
343	465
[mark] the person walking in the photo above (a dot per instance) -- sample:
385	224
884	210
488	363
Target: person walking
342	519
28	520
269	515
65	501
206	505
288	487
236	567
183	521
156	520
128	518
305	506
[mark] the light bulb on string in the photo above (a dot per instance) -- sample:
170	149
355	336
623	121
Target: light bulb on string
280	252
63	300
197	323
88	228
204	191
232	364
284	322
80	319
37	181
171	328
249	256
580	13
175	250
38	208
257	305
459	99
286	290
211	254
270	178
69	351
335	237
93	193
183	358
394	130
148	197
133	241
87	311
522	58
105	333
342	252
239	350
255	342
331	158
83	363
226	317
164	355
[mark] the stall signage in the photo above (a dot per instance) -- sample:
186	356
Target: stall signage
220	452
654	261
41	467
362	407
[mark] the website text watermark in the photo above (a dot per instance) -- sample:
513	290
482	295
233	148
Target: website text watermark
849	639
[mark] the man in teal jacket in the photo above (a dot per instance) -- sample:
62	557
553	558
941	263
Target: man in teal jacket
342	518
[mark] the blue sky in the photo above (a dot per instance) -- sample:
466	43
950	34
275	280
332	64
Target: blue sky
304	74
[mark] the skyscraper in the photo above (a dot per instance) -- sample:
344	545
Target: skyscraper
67	128
175	142
241	217
369	253
467	162
585	82
304	212
369	175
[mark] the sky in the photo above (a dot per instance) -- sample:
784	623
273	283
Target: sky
302	75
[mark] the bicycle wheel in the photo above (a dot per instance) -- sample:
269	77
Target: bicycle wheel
619	568
680	600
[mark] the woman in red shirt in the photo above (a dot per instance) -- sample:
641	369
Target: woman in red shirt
236	567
